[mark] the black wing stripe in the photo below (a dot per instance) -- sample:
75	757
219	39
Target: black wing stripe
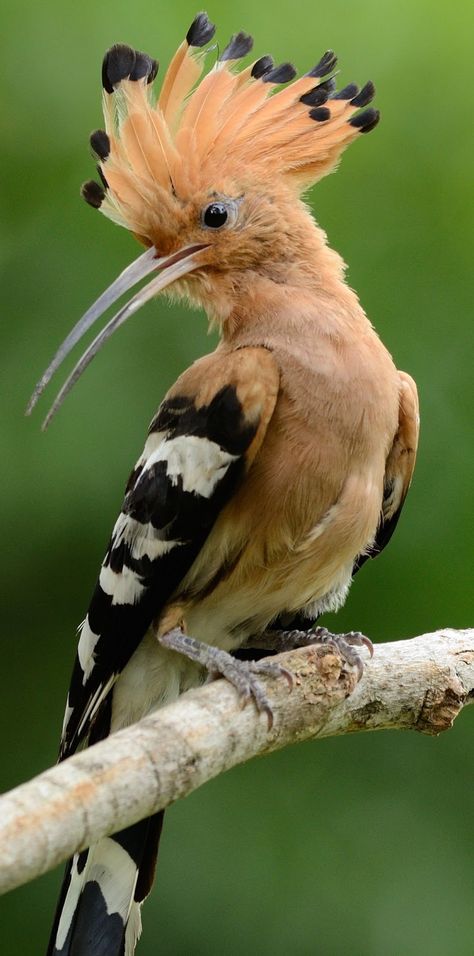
221	421
392	504
382	538
192	462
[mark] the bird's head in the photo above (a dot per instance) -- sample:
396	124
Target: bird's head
209	175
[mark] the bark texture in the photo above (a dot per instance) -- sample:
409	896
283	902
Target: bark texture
418	684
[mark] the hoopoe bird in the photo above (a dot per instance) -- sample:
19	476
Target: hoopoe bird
275	466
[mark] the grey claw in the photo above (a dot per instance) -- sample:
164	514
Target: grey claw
344	644
256	690
273	670
357	639
241	674
368	644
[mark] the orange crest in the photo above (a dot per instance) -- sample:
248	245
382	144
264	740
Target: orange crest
226	126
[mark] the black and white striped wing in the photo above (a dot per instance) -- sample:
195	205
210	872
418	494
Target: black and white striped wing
195	455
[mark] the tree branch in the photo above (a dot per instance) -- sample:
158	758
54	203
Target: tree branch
419	684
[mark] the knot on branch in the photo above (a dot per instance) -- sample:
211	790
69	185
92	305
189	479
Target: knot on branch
322	679
441	706
322	673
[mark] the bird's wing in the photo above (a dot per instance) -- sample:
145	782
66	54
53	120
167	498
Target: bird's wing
399	468
200	444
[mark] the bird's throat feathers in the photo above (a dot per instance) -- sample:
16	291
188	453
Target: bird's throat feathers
300	268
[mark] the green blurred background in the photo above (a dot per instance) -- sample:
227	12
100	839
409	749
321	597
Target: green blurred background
362	845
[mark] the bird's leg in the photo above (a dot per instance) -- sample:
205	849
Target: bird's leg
219	663
281	640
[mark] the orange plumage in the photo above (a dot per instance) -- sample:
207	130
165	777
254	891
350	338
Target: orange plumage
274	467
199	134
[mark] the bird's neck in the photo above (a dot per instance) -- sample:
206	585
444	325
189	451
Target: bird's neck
304	295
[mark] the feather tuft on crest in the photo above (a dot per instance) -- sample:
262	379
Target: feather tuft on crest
229	124
262	66
347	93
365	96
100	143
238	46
123	63
200	31
93	193
325	65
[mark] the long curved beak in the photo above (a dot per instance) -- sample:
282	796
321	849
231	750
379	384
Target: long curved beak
170	268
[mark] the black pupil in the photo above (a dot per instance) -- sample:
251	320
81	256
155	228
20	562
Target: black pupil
215	215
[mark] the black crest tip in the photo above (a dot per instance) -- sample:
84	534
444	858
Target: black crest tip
329	85
320	114
280	74
325	65
123	63
365	121
144	66
200	31
238	46
117	65
365	96
347	93
100	143
93	193
262	66
315	97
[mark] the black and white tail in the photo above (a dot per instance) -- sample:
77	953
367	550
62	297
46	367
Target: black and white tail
99	907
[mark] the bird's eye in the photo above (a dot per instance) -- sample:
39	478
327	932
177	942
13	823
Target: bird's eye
215	215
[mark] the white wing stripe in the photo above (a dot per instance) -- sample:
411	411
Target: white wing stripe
70	903
199	462
124	587
85	649
67	716
116	873
95	702
142	539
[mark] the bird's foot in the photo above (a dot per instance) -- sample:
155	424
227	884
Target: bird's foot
241	674
345	644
